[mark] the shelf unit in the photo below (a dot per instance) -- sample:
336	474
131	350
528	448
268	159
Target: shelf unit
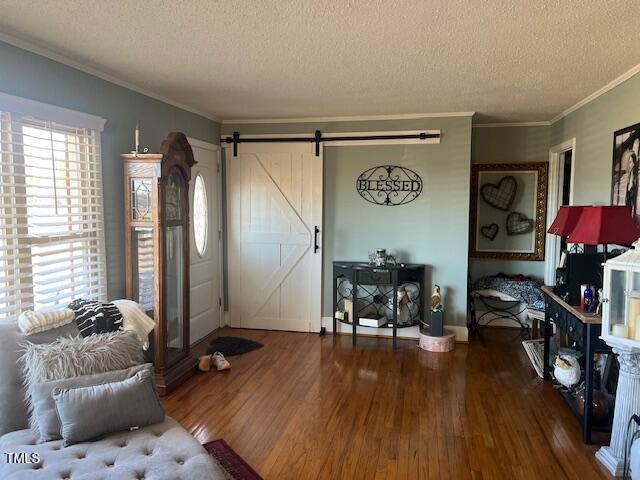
584	329
376	289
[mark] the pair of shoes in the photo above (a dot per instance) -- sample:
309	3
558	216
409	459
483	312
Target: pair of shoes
218	361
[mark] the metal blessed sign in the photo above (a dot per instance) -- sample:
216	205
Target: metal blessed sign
389	185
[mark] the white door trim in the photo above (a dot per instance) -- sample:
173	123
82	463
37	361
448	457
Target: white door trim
217	149
554	197
202	144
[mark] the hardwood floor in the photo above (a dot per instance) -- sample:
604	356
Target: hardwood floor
303	407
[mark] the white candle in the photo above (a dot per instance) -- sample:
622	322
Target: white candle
137	138
633	310
621	331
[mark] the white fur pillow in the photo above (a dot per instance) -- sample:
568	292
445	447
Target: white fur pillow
31	322
69	357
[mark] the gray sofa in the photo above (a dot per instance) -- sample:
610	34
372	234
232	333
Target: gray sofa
161	451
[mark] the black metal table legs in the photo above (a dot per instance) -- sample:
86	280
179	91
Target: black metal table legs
590	340
548	332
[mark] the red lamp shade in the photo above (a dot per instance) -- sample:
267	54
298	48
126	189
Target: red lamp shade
607	224
565	221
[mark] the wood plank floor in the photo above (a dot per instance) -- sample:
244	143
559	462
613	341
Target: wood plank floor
310	407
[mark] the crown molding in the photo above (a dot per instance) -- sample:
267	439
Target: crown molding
609	86
512	124
44	52
355	118
25	106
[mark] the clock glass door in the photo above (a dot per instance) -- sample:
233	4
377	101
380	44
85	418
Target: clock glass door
175	196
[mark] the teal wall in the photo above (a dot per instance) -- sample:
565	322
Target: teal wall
592	126
432	229
28	75
508	145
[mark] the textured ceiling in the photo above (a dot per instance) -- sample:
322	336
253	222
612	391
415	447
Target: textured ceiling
511	60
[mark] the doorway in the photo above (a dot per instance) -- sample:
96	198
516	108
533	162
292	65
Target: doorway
560	192
205	249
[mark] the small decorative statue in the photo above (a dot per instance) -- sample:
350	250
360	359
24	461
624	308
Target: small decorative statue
436	300
566	369
404	312
598	309
404	315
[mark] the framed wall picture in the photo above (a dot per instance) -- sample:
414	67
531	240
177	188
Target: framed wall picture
626	168
508	208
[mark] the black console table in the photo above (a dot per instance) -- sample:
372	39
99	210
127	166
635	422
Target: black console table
379	287
584	329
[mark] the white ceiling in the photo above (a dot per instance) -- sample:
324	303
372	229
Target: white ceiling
508	60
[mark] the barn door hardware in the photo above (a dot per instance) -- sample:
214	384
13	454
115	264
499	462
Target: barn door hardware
235	139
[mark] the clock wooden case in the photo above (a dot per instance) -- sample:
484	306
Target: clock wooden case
156	187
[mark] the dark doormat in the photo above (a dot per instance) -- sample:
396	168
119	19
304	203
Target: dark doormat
230	346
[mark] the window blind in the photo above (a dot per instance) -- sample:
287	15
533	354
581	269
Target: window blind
51	214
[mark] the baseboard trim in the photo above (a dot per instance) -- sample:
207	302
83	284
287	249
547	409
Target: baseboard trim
613	464
411	333
499	326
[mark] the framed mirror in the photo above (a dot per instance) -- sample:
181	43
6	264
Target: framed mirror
508	208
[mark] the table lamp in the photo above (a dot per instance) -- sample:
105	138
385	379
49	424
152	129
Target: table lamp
565	220
602	225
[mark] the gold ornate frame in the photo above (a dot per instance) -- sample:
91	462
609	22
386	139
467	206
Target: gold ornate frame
540	214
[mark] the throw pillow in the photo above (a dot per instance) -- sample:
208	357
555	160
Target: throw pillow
89	412
96	317
136	319
44	409
13	411
33	322
48	336
69	357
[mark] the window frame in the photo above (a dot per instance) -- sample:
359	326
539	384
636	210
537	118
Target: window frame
20	113
202	253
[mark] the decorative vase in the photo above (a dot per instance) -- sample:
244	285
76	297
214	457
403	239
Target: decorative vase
601	408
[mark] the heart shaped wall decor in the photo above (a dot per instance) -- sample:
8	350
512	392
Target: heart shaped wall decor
517	224
490	231
500	196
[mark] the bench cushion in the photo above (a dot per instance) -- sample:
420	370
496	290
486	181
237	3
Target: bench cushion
157	452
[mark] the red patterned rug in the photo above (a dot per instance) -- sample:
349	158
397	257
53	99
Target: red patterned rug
231	461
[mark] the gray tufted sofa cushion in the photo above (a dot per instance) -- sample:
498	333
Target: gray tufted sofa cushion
158	452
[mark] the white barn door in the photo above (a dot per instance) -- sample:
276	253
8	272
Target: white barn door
275	255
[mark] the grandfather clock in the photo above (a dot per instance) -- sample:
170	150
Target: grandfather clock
156	202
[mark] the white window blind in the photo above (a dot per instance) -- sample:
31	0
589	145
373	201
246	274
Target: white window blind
51	214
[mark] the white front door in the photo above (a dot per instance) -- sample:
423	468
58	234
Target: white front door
205	240
275	255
